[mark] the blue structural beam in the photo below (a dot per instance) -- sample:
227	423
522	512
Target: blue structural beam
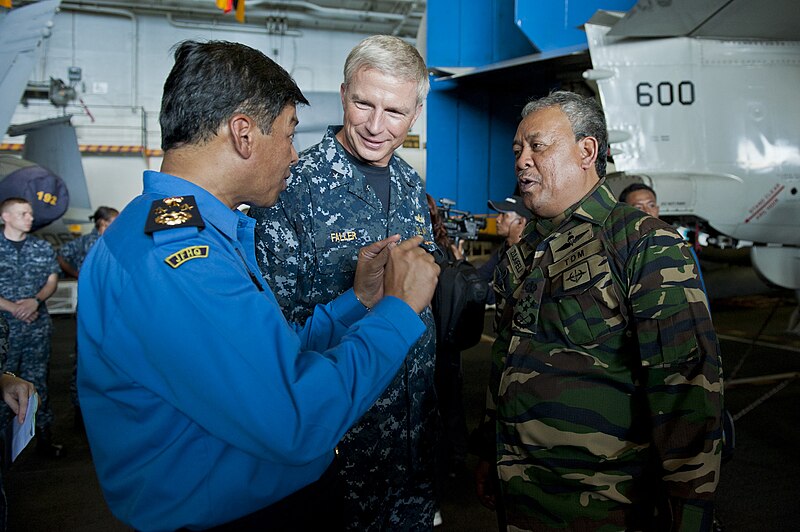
555	24
474	33
463	129
471	120
470	130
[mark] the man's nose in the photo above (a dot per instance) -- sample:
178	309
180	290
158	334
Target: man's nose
375	122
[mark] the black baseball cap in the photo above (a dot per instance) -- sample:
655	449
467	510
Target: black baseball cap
511	204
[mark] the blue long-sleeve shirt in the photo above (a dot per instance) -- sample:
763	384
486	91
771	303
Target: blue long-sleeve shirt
201	403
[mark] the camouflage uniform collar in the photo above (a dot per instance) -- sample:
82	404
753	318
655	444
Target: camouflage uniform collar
594	208
597	205
345	173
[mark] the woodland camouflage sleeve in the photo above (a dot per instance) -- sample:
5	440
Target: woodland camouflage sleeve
682	374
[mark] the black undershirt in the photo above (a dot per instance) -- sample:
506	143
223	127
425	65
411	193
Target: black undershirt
377	179
16	244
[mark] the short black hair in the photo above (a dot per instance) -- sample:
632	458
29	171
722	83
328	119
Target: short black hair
212	81
633	187
103	214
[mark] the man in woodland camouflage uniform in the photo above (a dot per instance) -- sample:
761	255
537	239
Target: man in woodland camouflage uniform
606	389
347	191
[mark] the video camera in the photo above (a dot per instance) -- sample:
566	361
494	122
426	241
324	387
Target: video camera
460	225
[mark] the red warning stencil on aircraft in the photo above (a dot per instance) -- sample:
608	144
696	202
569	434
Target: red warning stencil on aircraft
765	204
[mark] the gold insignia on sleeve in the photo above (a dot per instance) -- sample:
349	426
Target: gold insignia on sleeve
173	201
173	218
177	211
419	218
186	254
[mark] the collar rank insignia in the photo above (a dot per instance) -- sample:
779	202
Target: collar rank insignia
178	211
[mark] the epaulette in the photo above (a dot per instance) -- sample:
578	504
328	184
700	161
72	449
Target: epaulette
178	211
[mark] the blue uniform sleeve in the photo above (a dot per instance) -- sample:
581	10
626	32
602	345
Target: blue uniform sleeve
222	354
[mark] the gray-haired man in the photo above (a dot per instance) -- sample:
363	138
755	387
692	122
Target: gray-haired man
346	191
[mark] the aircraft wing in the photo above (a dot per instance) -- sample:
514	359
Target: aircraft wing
21	33
777	20
699	98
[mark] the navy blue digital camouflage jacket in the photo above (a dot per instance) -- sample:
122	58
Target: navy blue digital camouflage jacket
75	251
307	248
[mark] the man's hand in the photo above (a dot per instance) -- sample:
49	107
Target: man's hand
515	230
368	284
483	484
16	392
458	251
26	310
411	274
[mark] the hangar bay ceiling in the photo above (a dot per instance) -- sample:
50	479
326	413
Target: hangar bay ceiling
394	17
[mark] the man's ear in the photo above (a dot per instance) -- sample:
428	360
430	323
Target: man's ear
242	129
417	112
589	151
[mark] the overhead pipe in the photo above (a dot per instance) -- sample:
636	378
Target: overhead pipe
408	14
239	28
260	9
336	12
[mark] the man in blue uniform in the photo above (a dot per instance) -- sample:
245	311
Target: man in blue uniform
347	191
203	406
28	277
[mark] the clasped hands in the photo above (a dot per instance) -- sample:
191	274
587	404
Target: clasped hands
399	269
26	310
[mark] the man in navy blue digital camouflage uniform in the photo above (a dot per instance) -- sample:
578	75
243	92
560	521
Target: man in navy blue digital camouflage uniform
28	276
347	191
70	257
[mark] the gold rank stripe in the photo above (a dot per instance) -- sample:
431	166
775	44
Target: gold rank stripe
580	254
186	254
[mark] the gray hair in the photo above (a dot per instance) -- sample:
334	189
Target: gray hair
392	56
585	116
